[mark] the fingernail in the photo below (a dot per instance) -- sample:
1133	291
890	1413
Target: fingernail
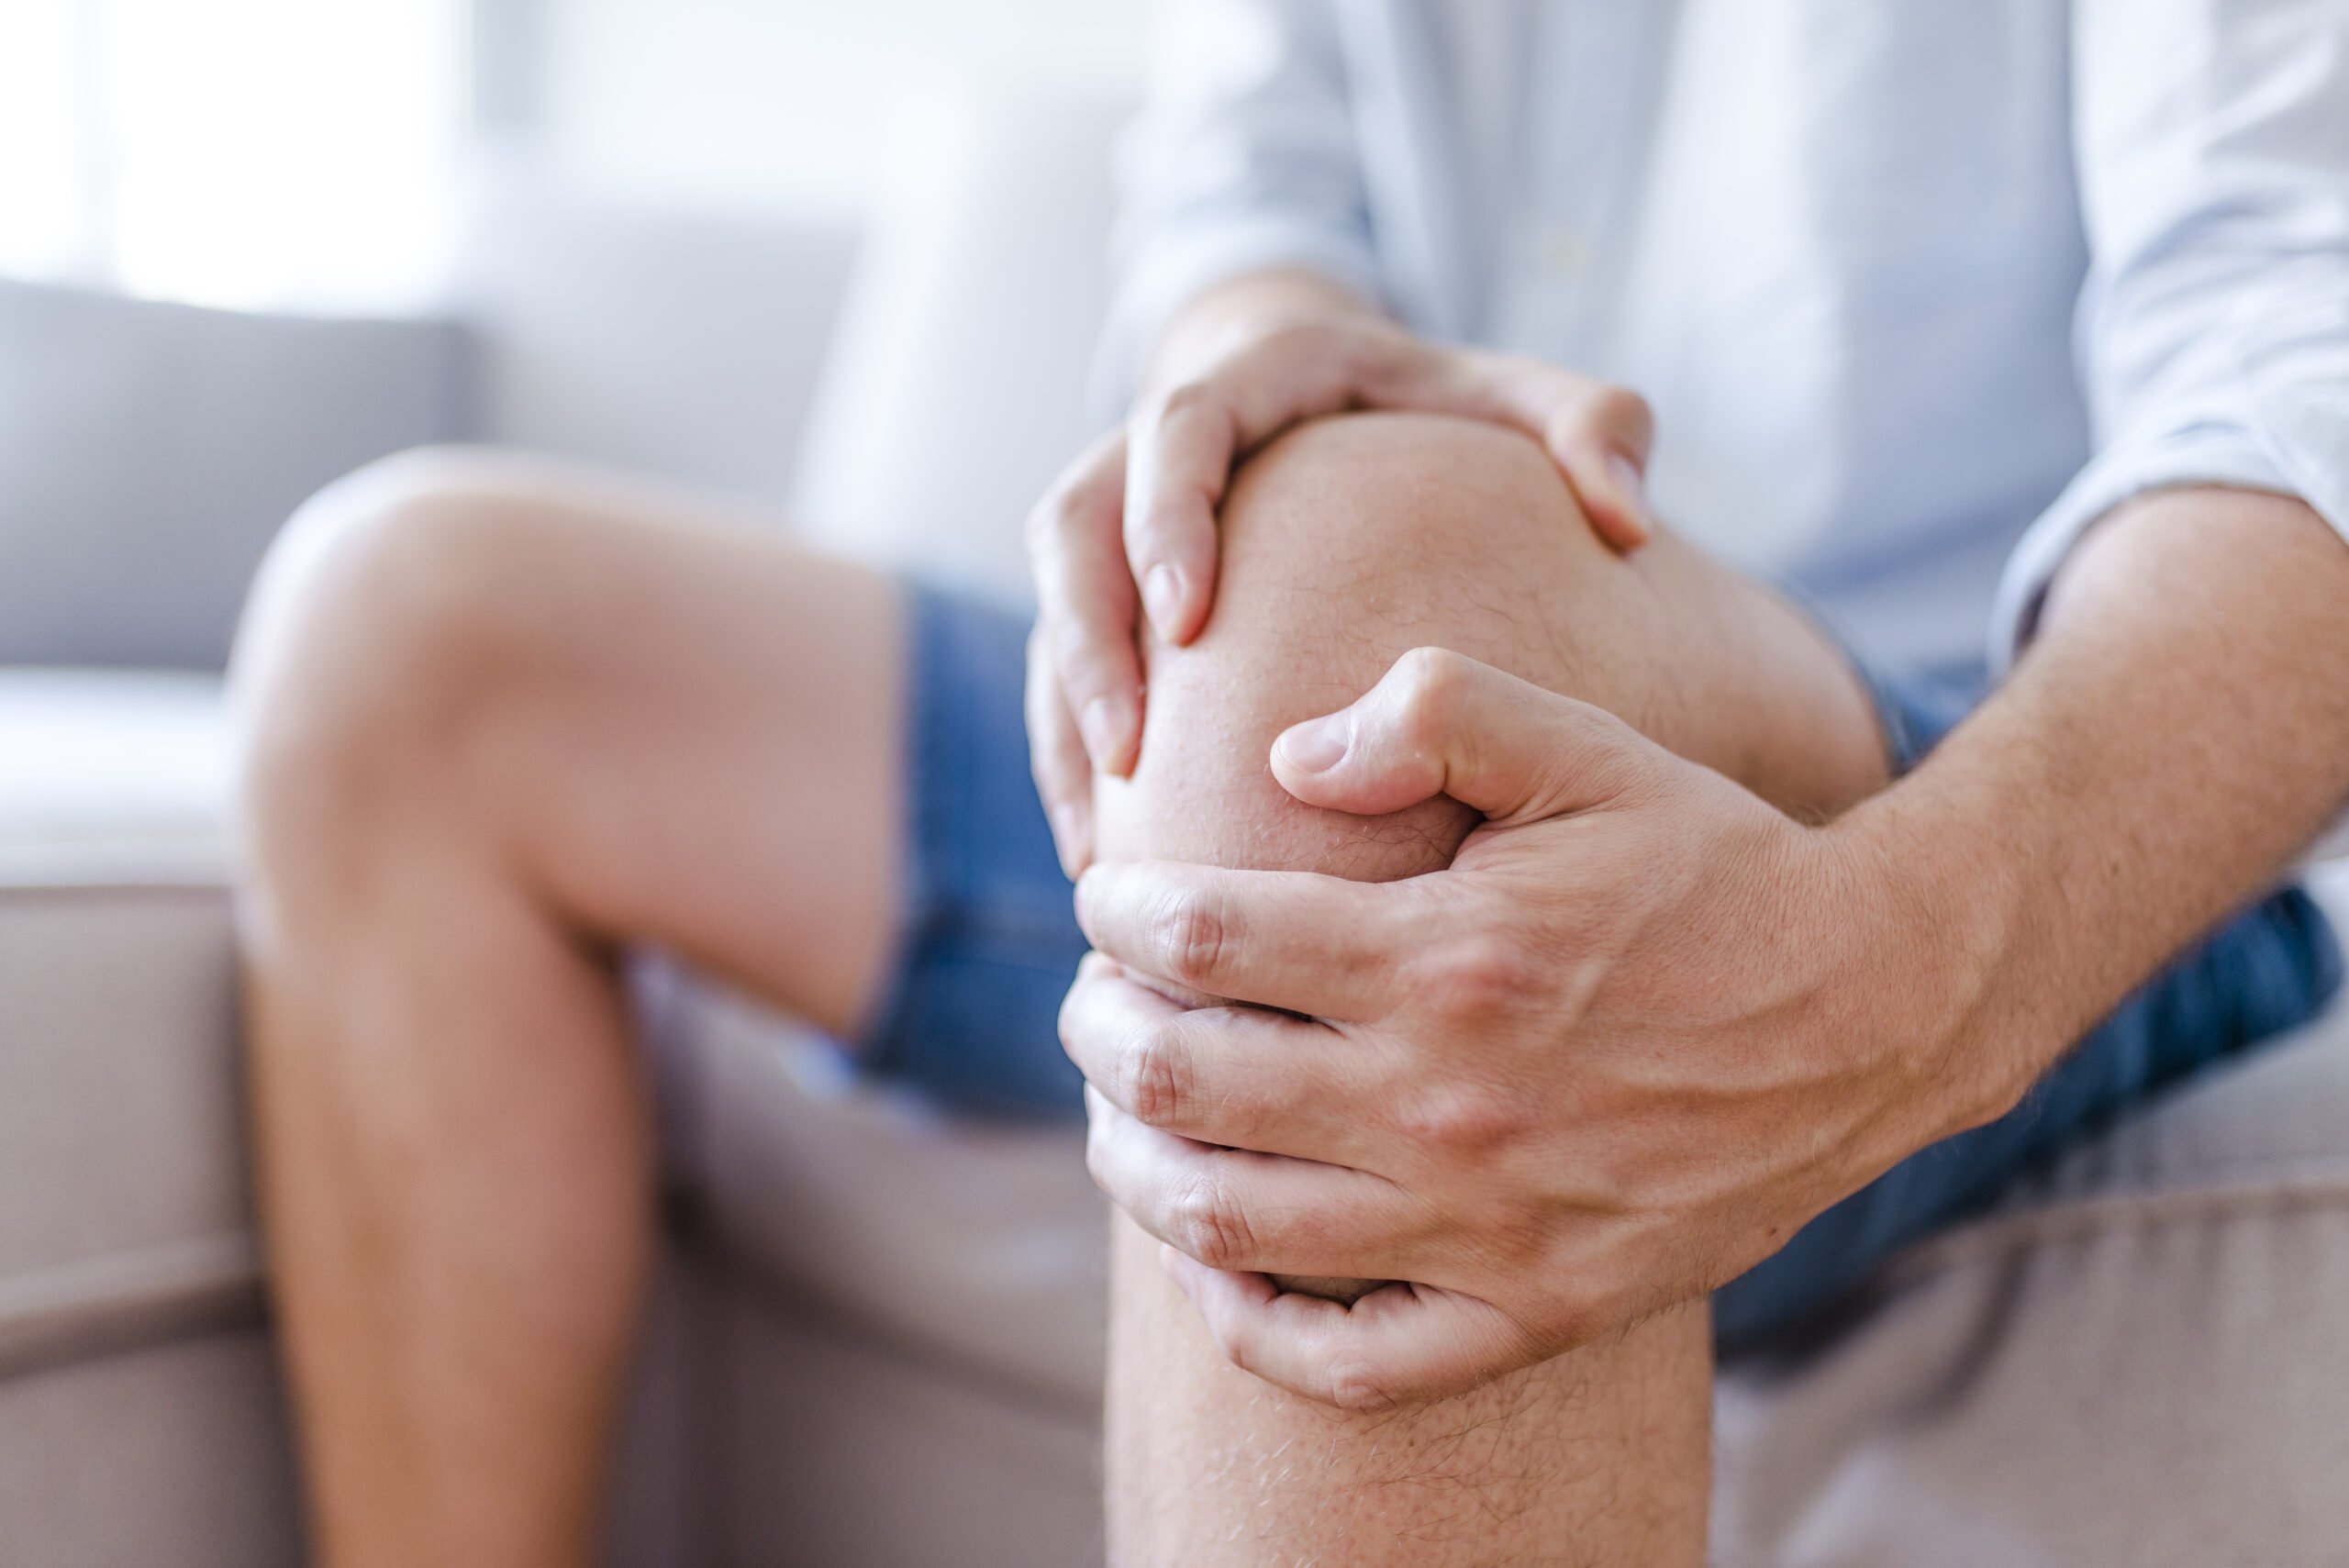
1317	745
1162	591
1102	730
1631	484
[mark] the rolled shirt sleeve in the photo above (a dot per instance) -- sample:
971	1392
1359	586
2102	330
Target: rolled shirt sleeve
2212	140
1243	159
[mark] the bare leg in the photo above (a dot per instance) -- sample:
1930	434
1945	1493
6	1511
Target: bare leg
1346	544
493	721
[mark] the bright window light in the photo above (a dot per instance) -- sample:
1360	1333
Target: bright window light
249	153
46	215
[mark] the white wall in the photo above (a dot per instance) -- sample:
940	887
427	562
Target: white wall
259	153
789	107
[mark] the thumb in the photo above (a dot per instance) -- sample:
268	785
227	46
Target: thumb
1441	723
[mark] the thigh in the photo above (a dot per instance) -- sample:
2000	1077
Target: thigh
796	772
671	728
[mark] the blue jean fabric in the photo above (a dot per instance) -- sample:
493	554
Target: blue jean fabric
988	944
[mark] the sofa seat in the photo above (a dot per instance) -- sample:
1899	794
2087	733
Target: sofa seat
880	1332
140	1415
2136	1358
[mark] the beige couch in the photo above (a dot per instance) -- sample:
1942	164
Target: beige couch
878	1335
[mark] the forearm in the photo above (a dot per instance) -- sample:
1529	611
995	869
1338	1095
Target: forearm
2176	735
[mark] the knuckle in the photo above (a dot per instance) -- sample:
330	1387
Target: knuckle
1435	680
1081	659
1183	400
1360	1386
1477	976
1082	486
1315	341
1194	940
1209	1225
1464	1118
1157	1078
1372	355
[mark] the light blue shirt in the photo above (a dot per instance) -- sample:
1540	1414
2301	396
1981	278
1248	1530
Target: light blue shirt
1918	288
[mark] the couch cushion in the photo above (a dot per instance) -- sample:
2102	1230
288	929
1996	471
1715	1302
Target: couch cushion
978	1244
152	451
2136	1359
172	1453
112	779
680	345
122	1196
141	1414
955	389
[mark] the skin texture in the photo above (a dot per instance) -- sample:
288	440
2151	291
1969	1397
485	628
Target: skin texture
493	719
1345	544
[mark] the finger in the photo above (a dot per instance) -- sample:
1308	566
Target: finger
1319	945
1600	435
1057	758
1400	1345
1183	446
1603	448
1188	443
1086	603
1185	443
1240	1077
1233	1208
1441	723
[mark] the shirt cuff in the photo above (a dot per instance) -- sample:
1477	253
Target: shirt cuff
2301	451
1168	275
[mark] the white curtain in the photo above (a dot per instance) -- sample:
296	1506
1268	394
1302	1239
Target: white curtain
252	153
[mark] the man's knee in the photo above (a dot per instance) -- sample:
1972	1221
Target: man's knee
371	638
1346	544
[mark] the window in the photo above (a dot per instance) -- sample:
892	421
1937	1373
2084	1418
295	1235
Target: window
253	153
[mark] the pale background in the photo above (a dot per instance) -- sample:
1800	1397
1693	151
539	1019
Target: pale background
326	154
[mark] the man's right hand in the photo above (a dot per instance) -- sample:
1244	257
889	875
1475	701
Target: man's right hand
1129	527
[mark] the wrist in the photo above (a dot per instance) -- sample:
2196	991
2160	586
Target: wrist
1945	926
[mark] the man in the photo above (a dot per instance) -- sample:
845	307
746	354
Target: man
1603	1064
1639	948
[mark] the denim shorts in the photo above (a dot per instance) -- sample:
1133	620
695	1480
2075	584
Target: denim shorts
988	944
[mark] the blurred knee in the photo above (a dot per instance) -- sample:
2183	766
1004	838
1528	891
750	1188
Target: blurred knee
372	635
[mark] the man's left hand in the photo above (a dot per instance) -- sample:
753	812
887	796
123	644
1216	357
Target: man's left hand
1641	1030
